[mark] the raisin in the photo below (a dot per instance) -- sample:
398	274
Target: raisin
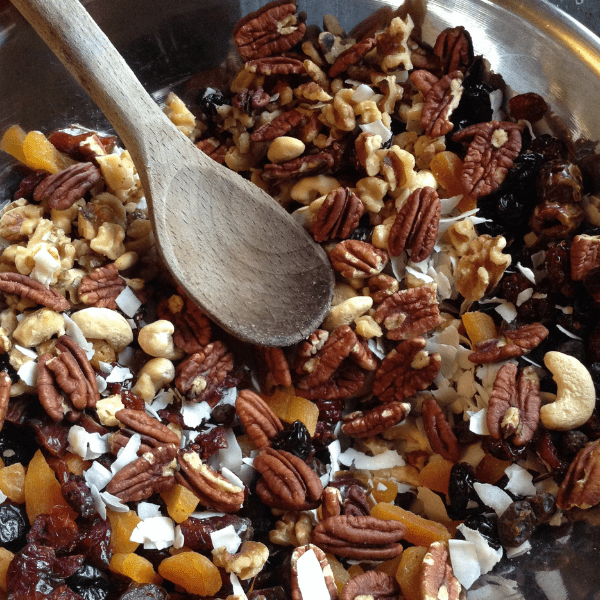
55	529
516	525
210	101
487	526
558	268
559	181
503	449
13	526
223	414
463	434
295	440
94	542
144	592
530	106
90	583
196	532
571	442
51	435
364	231
543	506
29	183
461	492
549	147
16	446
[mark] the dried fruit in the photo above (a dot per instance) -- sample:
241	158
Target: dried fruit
195	573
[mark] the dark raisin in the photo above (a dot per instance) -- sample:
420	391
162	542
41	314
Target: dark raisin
397	126
559	181
503	449
196	532
16	446
515	526
94	542
55	529
273	593
571	442
558	268
461	492
574	348
223	414
487	526
549	147
51	435
90	583
364	231
543	507
463	434
14	526
295	440
211	100
144	592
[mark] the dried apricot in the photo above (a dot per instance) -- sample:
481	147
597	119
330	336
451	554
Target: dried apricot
435	475
340	575
447	168
408	574
419	531
41	154
76	464
122	524
291	408
193	572
12	482
12	142
479	326
6	557
384	490
389	566
355	570
136	567
490	469
181	502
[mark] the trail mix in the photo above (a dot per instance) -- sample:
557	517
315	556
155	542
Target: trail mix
444	410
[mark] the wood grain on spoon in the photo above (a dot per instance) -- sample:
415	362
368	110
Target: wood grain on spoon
235	251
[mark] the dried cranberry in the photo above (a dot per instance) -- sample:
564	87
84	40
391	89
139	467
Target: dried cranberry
487	526
29	183
90	583
16	446
461	492
211	441
295	440
94	542
144	592
132	401
55	529
196	532
51	435
515	526
13	526
77	493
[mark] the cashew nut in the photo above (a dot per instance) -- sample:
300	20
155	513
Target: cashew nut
348	310
156	339
575	397
153	376
104	324
39	326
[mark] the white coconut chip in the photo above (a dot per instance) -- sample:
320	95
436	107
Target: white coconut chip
552	584
398	264
101	382
362	92
128	302
567	310
520	481
163	399
236	586
156	533
478	422
206	514
179	541
45	266
524	296
75	333
227	538
568	333
29	373
486	555
229	397
418	274
231	457
98	502
232	477
496	588
449	204
507	311
97	475
87	445
538	259
496	99
311	579
463	556
152	411
376	347
527	272
127	454
522	549
146	510
26	351
361	461
3	497
493	496
119	375
194	413
377	128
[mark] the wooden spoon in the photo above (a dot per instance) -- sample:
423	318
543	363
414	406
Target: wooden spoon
235	251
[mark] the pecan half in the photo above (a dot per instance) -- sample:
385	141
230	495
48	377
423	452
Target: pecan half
409	313
260	422
5	383
492	150
353	258
406	370
199	376
423	80
440	102
211	487
371	584
301	166
361	538
512	344
64	188
331	503
581	485
287	481
351	56
382	286
279	370
145	424
50	398
584	255
27	287
325	568
272	29
214	148
278	126
102	287
356	503
346	381
192	326
249	100
454	48
151	473
275	65
416	225
514	406
437	578
439	432
359	424
338	216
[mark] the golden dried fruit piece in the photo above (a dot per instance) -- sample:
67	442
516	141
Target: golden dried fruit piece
136	567
12	482
41	154
122	524
408	574
6	557
12	142
193	572
479	325
291	408
181	502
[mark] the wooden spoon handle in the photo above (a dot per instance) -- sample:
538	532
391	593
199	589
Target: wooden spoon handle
87	53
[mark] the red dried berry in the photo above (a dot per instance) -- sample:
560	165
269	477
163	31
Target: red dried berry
531	107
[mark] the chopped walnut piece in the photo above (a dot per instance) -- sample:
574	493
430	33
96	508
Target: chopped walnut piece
246	563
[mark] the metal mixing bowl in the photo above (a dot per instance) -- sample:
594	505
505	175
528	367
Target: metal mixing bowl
534	46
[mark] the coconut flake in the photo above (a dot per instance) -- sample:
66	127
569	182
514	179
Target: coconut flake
567	332
26	351
29	373
478	422
486	555
207	514
552	585
311	579
520	481
232	477
527	272
98	502
419	275
75	333
46	266
156	533
362	92
230	458
146	510
522	549
3	497
507	311
128	302
179	541
227	538
119	375
163	399
229	397
375	347
492	496
496	99
97	475
463	556
377	128
87	445
113	502
360	460
194	413
236	587
101	382
524	296
127	454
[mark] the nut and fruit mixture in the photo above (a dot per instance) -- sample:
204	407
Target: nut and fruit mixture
444	410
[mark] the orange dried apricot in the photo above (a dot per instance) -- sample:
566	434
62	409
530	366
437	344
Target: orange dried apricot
435	475
384	490
479	326
355	570
40	476
6	557
76	464
41	154
419	531
193	572
181	502
467	203
122	524
12	142
12	482
408	574
290	408
136	567
491	469
389	566
340	575
447	168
